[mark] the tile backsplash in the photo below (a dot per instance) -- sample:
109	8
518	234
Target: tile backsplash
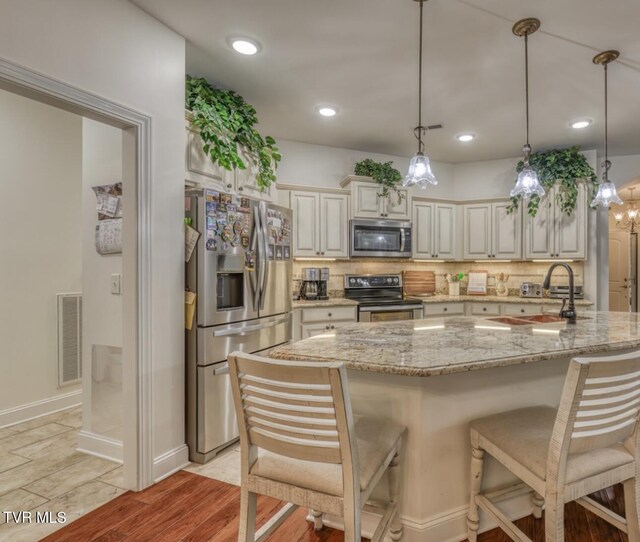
518	272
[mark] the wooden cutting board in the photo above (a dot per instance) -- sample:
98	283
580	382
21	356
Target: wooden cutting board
419	282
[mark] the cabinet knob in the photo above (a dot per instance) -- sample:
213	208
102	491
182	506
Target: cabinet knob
229	186
322	253
484	309
326	327
521	310
329	315
240	189
436	255
332	326
317	253
445	309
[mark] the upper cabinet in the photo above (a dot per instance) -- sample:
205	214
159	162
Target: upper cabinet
320	224
551	234
200	170
434	230
490	232
366	201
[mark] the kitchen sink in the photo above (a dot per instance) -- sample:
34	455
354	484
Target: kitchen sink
531	319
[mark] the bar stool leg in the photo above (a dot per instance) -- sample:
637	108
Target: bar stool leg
632	508
247	531
538	503
477	467
396	529
554	519
318	519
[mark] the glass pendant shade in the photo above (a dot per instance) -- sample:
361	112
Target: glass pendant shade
528	184
606	195
420	173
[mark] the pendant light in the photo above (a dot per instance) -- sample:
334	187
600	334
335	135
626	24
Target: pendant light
607	190
420	173
528	183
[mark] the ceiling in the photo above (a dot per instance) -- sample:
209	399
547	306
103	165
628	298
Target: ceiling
361	55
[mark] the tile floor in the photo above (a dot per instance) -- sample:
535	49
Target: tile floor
40	470
225	467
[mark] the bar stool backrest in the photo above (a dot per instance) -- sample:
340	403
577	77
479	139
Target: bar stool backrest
600	406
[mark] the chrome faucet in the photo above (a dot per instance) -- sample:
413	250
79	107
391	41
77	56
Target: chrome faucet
570	312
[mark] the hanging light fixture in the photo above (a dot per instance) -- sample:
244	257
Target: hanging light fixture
420	173
607	190
528	183
629	219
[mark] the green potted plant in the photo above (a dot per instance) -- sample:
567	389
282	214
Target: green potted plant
454	283
567	166
226	124
383	173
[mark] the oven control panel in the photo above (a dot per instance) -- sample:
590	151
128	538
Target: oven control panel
373	281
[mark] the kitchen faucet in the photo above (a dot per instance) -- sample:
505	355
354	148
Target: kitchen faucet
570	313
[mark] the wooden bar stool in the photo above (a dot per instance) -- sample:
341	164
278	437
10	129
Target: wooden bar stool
589	443
300	443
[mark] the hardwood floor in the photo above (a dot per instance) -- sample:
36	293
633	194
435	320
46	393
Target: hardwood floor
187	507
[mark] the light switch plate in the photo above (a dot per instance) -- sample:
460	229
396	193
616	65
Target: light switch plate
115	283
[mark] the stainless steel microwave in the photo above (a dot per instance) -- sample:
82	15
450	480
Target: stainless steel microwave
379	239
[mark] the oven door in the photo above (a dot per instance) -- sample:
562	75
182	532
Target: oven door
380	239
388	313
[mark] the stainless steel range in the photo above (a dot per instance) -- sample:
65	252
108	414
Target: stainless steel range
380	298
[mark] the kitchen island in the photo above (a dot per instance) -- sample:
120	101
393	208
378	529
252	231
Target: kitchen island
436	375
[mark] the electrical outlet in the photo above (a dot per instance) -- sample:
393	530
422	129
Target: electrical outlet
115	283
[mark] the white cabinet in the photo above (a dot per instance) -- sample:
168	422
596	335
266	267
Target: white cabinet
551	234
444	309
434	230
490	232
309	322
320	224
200	170
367	202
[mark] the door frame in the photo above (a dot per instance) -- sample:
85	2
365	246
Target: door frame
137	243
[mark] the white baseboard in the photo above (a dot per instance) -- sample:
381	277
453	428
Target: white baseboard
100	446
449	526
23	413
170	462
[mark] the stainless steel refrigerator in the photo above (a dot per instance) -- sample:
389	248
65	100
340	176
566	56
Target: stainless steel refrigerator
240	272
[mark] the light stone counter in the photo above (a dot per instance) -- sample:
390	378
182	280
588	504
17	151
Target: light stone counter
332	302
458	343
497	299
482	367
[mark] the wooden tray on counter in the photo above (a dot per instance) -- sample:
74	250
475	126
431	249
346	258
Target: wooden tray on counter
418	283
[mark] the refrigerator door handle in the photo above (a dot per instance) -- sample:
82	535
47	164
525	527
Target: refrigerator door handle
265	241
254	275
250	329
403	239
221	370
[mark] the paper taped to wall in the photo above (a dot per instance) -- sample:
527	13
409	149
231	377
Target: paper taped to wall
109	236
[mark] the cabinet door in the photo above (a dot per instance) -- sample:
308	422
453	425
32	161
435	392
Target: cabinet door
539	230
311	330
306	236
393	208
571	231
506	232
423	234
477	231
444	231
366	202
246	183
199	167
334	225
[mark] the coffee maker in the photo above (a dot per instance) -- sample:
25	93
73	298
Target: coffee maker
314	283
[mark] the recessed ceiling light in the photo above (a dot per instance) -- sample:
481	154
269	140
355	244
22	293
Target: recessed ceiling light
327	111
464	138
581	123
245	46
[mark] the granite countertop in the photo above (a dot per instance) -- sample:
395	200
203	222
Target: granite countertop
332	302
458	344
443	298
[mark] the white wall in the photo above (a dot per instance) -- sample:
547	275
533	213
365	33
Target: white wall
102	311
317	165
624	169
40	239
486	179
115	50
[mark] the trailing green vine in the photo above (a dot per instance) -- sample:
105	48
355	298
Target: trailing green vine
383	173
226	125
564	165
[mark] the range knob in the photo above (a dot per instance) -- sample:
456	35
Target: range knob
352	280
389	280
396	280
360	282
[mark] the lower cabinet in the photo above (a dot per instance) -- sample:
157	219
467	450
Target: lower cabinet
480	308
308	322
444	309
